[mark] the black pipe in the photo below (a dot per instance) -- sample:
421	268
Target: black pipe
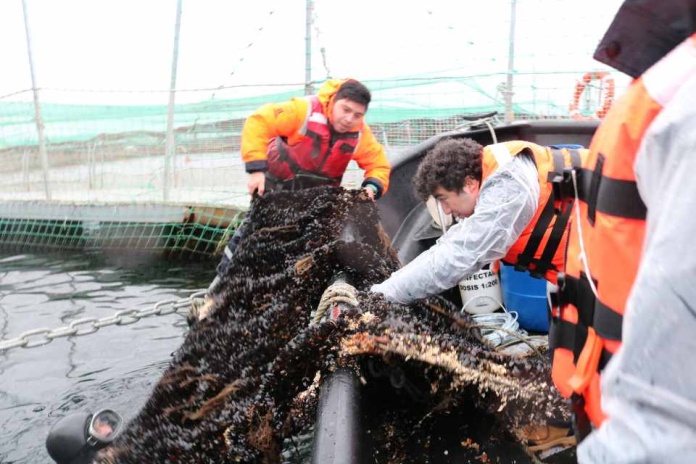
337	433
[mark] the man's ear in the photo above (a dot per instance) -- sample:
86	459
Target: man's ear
472	184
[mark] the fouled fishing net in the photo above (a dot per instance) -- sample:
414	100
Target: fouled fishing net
246	379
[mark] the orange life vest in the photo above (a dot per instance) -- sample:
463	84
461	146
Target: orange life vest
540	247
321	153
586	325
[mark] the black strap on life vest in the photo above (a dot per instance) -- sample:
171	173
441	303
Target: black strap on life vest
615	197
558	207
592	311
582	426
572	337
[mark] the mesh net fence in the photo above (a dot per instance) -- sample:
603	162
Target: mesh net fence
106	139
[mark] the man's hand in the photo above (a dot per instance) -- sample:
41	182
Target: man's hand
371	191
257	181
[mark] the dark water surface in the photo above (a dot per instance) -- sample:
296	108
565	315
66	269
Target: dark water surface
115	367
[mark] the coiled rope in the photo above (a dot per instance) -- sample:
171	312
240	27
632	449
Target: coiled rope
336	293
501	329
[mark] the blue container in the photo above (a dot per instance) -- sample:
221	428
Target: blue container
525	295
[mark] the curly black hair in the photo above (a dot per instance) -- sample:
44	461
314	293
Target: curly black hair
448	165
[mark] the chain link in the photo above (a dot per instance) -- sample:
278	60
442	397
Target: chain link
89	325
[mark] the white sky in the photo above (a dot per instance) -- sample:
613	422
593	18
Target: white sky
127	44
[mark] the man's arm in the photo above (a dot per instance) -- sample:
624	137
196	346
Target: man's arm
264	124
370	156
506	204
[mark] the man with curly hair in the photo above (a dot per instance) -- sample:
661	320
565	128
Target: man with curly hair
502	196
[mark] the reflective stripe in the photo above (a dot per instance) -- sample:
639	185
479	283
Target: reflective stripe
213	285
310	106
501	153
318	117
228	252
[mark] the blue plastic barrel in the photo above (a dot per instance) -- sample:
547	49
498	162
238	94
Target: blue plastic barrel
525	295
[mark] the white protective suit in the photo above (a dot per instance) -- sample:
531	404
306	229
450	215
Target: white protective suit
649	386
506	204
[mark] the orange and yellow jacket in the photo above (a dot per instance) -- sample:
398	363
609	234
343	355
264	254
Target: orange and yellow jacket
285	125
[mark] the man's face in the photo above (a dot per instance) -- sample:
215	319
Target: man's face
460	203
346	115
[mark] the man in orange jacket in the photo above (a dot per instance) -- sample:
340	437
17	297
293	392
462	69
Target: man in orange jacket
309	142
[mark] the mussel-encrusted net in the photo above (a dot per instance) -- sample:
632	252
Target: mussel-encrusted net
245	379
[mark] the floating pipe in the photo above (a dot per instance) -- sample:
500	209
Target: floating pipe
337	431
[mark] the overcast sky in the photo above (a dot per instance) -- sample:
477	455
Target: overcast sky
127	44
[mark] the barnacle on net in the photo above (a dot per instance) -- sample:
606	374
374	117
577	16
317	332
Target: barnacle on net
246	377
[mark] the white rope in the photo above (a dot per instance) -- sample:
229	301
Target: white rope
583	253
497	328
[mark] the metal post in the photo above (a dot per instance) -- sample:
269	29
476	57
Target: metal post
170	147
91	164
509	114
309	90
25	169
43	152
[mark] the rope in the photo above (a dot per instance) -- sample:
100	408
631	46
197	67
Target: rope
578	223
497	328
338	292
500	329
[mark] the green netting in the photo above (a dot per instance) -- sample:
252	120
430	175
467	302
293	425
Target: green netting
110	154
106	140
204	122
202	231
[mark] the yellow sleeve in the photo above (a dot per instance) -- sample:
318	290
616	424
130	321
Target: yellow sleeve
370	156
263	125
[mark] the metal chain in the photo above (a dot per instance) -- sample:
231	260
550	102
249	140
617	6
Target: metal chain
89	325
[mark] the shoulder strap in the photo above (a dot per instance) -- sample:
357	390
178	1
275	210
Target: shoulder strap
558	208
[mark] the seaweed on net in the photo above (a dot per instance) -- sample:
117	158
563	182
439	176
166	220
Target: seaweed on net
247	376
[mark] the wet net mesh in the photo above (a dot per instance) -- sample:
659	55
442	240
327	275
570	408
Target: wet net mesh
246	378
